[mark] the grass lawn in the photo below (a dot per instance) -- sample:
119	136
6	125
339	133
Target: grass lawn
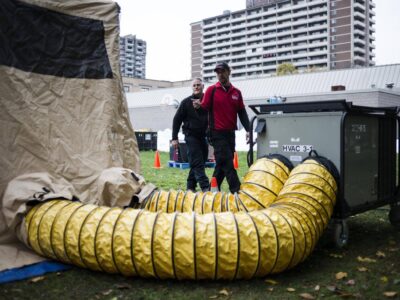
368	269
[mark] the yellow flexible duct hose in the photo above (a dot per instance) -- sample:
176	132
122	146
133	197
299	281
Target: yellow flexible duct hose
259	189
230	244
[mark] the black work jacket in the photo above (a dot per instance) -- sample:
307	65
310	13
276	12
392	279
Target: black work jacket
195	121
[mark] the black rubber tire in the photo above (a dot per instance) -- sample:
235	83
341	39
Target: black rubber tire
394	215
340	234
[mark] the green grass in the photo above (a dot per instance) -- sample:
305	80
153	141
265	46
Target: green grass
173	178
370	233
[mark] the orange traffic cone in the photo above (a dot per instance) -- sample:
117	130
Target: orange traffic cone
157	164
235	161
214	185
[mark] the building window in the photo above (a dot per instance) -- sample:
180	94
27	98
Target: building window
333	21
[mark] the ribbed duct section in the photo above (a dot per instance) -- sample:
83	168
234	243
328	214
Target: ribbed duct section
220	236
259	189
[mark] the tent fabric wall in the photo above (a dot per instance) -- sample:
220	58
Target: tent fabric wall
62	111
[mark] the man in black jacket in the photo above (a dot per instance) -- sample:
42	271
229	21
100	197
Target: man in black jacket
195	122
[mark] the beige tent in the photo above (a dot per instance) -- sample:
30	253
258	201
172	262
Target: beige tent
63	115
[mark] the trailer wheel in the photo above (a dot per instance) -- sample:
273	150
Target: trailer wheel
394	215
341	234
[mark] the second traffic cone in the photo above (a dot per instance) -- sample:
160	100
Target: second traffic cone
235	161
214	185
157	164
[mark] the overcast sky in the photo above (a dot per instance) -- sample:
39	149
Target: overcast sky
165	26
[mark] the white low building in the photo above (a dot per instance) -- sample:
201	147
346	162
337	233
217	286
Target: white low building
376	86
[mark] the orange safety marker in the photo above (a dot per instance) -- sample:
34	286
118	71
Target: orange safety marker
214	185
157	164
235	161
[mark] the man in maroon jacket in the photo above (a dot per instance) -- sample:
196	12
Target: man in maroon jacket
224	103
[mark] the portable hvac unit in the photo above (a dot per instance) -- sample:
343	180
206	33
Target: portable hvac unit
360	141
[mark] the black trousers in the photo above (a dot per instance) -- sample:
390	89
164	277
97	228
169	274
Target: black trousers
224	150
197	150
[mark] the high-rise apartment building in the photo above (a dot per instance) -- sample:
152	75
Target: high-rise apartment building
132	56
324	34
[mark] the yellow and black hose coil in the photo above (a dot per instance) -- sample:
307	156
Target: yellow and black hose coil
270	225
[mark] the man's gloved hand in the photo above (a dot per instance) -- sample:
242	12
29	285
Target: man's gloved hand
196	103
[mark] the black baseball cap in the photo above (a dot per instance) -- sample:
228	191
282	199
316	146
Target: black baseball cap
221	65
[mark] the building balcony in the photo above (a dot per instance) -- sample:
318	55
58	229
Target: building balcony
283	25
287	17
236	65
210	38
359	32
359	49
299	22
284	49
255	22
301	5
209	52
318	27
362	2
224	22
241	35
358	41
284	35
210	46
268	14
240	48
253	31
283	41
300	55
299	30
359	6
300	13
318	19
269	59
359	25
358	58
314	53
300	38
254	68
211	24
221	30
372	4
241	18
300	47
239	26
223	43
270	43
317	61
318	35
359	16
318	44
